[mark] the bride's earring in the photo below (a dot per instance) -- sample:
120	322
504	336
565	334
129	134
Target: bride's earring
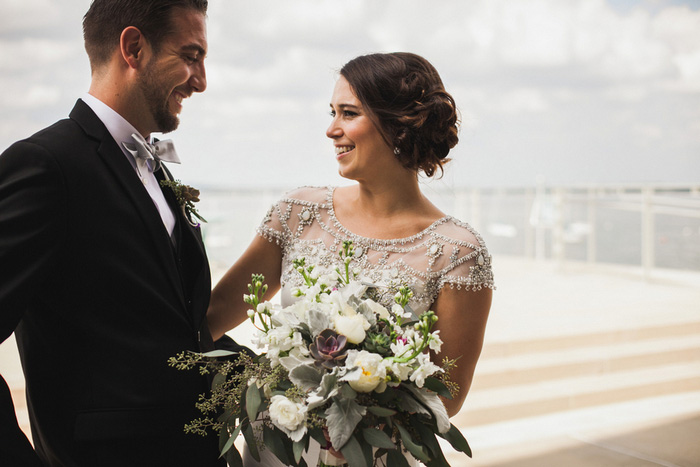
397	151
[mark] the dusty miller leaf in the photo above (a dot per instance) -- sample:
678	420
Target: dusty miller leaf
341	418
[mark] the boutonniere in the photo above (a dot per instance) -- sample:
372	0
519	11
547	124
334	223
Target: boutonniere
186	197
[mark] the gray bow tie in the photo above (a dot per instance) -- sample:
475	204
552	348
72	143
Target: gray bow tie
149	156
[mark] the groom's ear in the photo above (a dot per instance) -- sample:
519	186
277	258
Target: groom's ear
132	45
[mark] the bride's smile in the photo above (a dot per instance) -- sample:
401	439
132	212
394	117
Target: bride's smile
360	147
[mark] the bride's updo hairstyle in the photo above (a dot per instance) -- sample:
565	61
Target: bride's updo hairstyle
409	105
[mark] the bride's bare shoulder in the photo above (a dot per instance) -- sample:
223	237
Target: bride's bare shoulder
309	194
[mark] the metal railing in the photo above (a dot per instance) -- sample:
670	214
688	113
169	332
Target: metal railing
648	226
565	223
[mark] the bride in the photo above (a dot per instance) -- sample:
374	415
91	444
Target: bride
391	119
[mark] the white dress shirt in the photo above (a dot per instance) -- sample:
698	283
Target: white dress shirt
121	131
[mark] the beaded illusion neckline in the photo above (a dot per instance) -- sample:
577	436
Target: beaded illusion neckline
393	241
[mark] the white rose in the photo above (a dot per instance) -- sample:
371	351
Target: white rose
352	327
286	414
372	371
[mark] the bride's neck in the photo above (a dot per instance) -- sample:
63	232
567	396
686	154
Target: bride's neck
387	199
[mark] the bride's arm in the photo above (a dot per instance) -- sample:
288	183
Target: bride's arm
227	308
462	316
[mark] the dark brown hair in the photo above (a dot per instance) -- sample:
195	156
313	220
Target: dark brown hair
412	110
106	19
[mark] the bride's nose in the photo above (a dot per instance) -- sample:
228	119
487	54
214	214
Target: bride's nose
334	130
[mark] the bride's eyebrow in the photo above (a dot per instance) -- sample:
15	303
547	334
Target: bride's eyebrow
347	106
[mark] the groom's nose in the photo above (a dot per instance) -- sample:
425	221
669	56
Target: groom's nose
198	80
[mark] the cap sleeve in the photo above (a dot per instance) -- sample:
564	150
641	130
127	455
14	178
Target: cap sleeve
469	264
286	219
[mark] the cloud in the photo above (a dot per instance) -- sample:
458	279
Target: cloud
565	89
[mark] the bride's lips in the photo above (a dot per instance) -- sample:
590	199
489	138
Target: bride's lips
341	151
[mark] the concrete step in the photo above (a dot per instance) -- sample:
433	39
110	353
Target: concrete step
548	344
578	361
499	404
590	436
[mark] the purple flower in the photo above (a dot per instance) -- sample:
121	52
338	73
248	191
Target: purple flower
329	349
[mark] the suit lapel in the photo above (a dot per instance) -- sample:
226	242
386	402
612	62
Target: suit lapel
191	252
134	191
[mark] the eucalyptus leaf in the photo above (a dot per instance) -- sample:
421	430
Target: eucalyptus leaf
227	446
307	377
225	416
438	386
341	419
218	353
253	398
457	440
381	411
233	458
432	401
417	451
428	439
396	458
378	438
251	442
224	436
274	443
317	434
352	452
217	381
227	440
298	449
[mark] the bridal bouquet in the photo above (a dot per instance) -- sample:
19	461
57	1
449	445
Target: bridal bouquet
340	368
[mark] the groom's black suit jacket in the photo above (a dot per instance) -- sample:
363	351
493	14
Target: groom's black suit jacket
99	299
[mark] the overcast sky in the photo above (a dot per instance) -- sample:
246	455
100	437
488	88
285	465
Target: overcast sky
574	91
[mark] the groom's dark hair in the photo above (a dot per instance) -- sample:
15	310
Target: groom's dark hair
106	19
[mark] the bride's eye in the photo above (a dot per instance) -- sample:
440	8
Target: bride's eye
349	113
331	113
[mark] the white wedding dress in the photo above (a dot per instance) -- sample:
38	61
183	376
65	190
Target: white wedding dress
447	253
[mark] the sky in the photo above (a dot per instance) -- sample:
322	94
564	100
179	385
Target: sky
561	91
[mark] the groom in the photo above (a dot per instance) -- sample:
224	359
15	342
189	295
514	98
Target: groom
102	274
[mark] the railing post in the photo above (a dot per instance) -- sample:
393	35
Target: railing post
558	235
528	234
537	220
647	231
591	246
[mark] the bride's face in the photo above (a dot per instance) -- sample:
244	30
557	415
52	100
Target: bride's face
360	150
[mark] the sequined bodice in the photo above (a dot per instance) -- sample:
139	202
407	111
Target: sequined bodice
448	252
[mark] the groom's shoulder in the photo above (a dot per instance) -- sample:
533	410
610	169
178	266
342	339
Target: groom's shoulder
63	134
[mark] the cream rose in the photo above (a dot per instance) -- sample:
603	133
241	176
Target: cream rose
286	414
372	371
352	327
